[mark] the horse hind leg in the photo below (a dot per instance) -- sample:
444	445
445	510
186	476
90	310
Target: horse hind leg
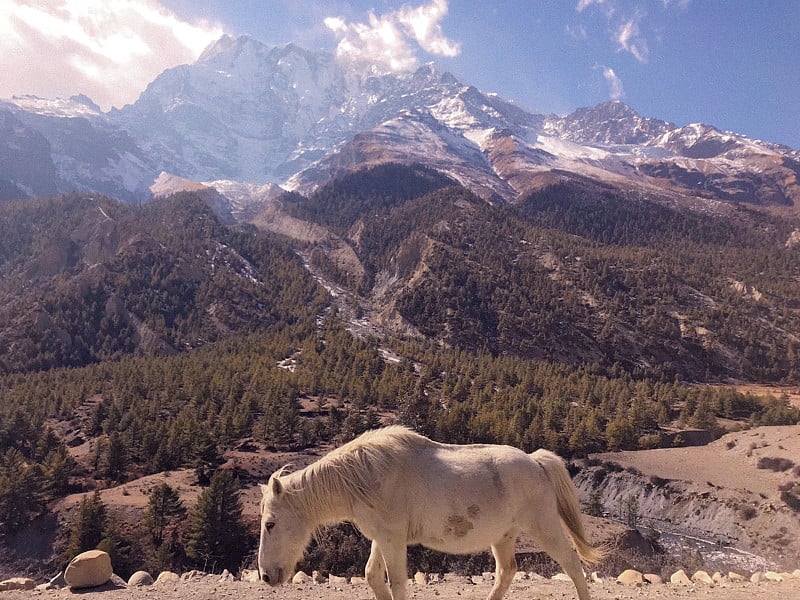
376	574
547	532
505	566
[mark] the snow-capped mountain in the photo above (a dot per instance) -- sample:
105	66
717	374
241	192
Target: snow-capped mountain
254	114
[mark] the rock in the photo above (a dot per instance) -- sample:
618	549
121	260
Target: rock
796	573
318	577
630	577
336	580
717	577
561	577
680	577
251	575
595	577
140	578
702	577
300	577
773	576
226	576
17	583
653	579
167	577
488	575
420	578
193	574
358	581
89	569
735	577
756	577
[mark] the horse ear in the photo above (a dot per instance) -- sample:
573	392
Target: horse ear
277	486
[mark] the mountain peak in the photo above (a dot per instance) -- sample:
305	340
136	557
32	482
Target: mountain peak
608	123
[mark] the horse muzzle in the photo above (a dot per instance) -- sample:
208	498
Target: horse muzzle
273	578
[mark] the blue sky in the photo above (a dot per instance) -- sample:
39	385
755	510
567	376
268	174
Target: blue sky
734	64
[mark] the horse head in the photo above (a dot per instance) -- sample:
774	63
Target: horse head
284	534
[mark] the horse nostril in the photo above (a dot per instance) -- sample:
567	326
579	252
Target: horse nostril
265	578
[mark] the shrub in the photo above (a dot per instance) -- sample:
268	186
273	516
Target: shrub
775	463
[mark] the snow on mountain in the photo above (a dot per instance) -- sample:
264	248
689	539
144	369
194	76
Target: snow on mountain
254	114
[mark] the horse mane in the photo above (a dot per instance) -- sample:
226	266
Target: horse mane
353	472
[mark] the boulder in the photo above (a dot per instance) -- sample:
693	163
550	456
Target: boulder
653	579
318	577
89	569
140	578
193	574
630	577
336	580
358	580
680	577
796	573
167	577
226	576
735	577
420	578
561	577
756	577
773	576
17	583
702	577
595	577
300	577
251	575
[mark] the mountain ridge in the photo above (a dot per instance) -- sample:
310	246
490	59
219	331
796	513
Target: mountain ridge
258	114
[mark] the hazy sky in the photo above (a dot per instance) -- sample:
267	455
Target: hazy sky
734	64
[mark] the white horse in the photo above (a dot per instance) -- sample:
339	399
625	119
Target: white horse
400	488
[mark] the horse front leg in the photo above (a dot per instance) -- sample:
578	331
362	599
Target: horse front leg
395	558
505	566
376	574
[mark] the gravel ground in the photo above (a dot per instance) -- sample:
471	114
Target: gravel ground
454	588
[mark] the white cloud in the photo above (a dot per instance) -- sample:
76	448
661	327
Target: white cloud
389	41
630	40
107	49
615	89
584	4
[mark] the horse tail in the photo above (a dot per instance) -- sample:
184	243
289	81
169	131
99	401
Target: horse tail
568	505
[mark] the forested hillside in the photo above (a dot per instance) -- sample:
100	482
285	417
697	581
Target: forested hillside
157	337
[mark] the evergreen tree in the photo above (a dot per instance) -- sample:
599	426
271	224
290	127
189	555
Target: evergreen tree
217	537
87	527
20	491
163	505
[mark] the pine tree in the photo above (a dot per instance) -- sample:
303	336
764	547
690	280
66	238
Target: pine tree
87	527
20	491
217	535
163	505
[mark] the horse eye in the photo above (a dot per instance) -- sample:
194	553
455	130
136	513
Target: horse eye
269	526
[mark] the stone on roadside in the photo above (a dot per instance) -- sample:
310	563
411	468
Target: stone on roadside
736	577
140	578
595	577
680	577
250	576
702	577
300	578
89	569
561	577
756	577
653	579
358	580
630	577
336	580
318	577
420	578
773	576
17	583
167	577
